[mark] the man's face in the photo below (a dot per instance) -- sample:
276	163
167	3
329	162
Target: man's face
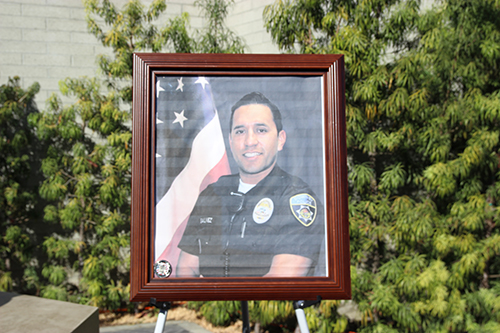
255	141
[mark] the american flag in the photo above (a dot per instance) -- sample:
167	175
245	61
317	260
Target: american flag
190	154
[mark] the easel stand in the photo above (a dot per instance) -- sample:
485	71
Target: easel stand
162	316
299	307
245	317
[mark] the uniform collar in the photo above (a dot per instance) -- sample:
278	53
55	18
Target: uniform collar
270	181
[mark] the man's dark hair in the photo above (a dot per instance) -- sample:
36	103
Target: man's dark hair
257	98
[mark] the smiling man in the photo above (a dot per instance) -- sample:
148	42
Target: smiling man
261	221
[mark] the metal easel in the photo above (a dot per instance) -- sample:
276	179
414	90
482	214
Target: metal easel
162	316
298	306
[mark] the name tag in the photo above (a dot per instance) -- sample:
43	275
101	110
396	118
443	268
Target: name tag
204	220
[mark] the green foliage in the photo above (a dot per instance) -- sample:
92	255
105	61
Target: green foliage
423	112
87	182
271	316
216	37
132	30
87	167
20	152
218	313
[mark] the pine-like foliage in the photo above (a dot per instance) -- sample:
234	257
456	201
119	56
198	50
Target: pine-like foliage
20	152
216	37
87	169
88	165
87	172
131	30
423	125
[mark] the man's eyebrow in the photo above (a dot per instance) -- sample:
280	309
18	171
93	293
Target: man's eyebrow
257	124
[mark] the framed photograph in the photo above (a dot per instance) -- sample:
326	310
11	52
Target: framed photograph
239	178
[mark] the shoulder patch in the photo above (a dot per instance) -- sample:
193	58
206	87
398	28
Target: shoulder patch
303	207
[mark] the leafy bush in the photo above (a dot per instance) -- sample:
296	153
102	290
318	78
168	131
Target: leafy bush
20	154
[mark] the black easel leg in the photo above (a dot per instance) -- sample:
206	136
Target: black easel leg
245	317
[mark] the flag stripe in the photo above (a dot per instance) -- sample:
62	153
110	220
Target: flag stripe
172	252
222	168
207	152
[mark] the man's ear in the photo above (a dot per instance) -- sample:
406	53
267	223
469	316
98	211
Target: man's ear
281	139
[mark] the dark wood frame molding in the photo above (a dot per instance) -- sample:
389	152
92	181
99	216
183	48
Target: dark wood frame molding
337	285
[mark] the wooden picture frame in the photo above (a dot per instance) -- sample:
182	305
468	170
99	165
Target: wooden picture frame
167	181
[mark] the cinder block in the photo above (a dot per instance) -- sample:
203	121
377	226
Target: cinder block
70	49
45	11
267	47
162	21
33	2
78	13
22	313
10	21
10	58
83	61
268	41
46	36
74	72
184	2
49	83
10	34
69	25
173	9
261	3
191	9
196	22
100	49
22	47
164	18
252	39
65	3
250	16
241	18
46	84
84	38
244	29
46	60
10	9
241	6
23	71
40	99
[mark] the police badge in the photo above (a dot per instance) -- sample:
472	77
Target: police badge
303	207
263	211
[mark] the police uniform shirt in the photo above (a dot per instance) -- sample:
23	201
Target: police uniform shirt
236	234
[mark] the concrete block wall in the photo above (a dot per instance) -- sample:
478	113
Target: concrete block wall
46	41
247	22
